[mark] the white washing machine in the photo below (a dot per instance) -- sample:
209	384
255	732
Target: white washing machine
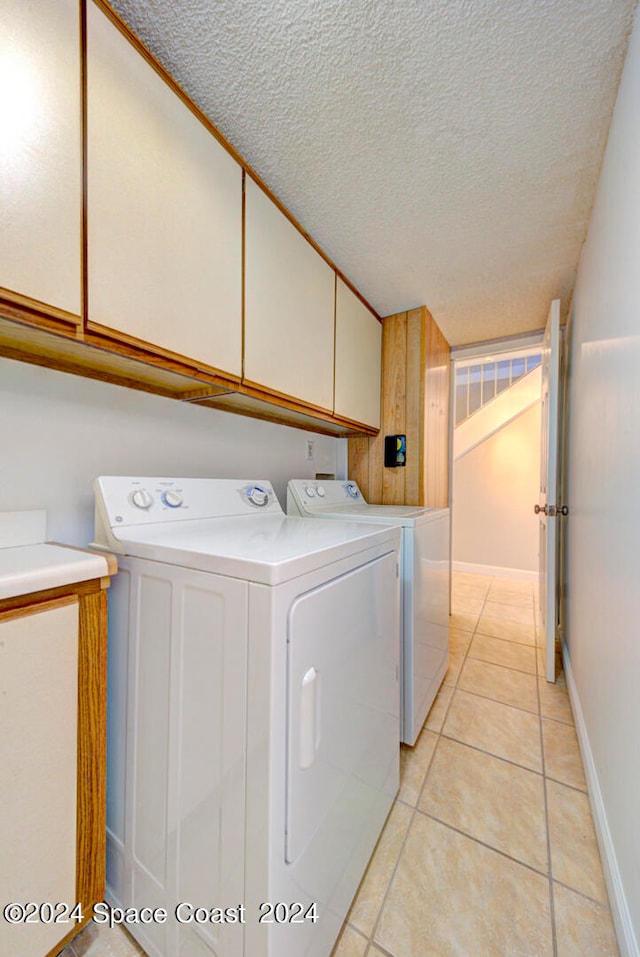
253	715
425	575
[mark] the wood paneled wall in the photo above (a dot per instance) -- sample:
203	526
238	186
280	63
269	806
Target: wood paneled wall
415	402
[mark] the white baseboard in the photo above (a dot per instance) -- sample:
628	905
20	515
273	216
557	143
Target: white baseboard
627	940
495	571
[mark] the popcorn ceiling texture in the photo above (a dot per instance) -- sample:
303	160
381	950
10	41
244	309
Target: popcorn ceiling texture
441	152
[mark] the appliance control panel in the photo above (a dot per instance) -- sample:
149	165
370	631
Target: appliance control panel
309	493
133	500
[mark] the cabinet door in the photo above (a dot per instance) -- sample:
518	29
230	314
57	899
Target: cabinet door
41	152
358	358
38	757
289	306
177	751
164	211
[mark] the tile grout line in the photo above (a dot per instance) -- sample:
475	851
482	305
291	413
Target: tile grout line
487	661
547	778
477	840
372	940
507	704
543	775
540	774
565	724
498	757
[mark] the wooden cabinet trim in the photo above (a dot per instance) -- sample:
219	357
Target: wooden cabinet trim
91	599
282	413
105	360
243	271
150	161
287	283
24	611
35	599
25	309
186	99
166	76
259	390
121	340
283	209
63	327
84	231
155	356
92	749
357	359
290	402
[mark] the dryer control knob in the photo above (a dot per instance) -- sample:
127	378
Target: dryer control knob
141	498
258	496
310	491
352	490
172	498
320	491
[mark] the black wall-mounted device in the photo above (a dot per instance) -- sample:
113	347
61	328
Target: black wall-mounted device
395	451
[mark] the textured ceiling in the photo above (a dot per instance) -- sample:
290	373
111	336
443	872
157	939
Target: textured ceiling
441	152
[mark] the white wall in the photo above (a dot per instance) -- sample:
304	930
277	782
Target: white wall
603	528
495	486
58	432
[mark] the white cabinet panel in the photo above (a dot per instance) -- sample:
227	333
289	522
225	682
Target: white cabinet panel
164	211
38	757
177	752
41	151
289	306
358	358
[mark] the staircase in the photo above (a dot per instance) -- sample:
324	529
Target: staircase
496	413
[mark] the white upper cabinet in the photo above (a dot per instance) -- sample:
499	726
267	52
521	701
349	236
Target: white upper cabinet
164	211
41	152
358	359
289	306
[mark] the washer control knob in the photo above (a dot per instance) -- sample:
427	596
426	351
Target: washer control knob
258	496
320	491
310	491
172	498
141	498
352	490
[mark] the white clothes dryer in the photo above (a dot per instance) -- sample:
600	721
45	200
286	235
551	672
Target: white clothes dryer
252	714
425	576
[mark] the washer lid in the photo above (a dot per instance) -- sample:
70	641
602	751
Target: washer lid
382	514
261	548
343	500
406	515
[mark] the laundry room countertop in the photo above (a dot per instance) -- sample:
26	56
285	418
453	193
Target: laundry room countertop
31	568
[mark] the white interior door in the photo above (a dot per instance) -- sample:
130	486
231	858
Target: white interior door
547	508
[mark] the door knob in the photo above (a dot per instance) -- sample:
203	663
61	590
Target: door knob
551	510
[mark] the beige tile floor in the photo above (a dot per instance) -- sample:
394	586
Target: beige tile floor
489	849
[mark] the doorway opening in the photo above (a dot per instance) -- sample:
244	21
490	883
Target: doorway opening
495	468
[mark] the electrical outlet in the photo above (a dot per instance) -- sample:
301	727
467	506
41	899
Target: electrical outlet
309	450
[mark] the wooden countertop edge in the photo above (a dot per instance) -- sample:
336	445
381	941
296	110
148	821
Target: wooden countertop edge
111	560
